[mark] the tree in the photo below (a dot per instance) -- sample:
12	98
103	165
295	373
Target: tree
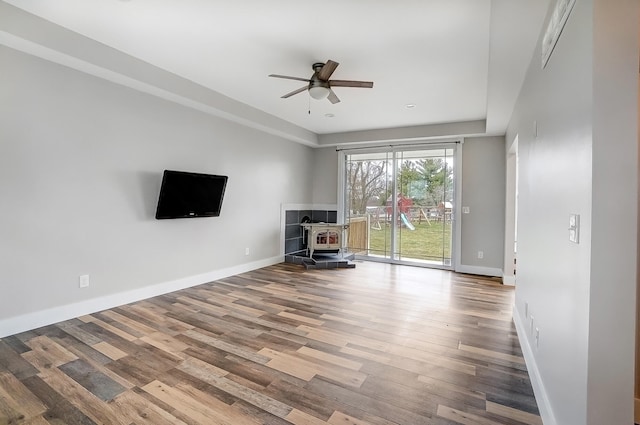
367	180
438	180
407	175
427	182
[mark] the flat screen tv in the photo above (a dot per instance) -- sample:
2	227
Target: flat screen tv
189	195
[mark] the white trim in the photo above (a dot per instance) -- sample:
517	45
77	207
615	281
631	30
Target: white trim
25	322
508	280
510	212
558	19
342	195
456	243
542	398
482	271
399	145
416	263
394	251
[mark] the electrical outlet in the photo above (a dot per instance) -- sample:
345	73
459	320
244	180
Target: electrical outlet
480	255
537	337
246	251
83	281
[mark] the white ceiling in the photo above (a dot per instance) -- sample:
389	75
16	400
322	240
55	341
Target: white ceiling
456	60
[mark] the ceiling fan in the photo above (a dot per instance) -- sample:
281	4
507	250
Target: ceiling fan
319	85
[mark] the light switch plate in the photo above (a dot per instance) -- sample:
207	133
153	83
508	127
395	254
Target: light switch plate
574	228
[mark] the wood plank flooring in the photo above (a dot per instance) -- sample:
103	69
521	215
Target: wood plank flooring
379	345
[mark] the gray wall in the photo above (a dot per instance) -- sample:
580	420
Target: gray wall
583	161
325	176
483	191
81	162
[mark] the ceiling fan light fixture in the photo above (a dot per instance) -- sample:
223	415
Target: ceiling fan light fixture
319	92
320	85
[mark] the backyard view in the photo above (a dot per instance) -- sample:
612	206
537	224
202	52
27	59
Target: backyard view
421	182
423	243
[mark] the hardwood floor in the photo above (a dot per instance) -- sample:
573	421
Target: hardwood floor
379	344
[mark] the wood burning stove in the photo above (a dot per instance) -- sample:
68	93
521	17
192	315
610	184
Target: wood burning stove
324	237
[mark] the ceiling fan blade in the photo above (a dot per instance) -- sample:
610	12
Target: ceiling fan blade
348	83
286	77
300	90
327	70
332	97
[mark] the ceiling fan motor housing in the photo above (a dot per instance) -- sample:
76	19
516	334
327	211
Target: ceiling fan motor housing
316	82
319	85
317	66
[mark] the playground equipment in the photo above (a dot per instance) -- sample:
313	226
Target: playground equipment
406	222
407	212
404	206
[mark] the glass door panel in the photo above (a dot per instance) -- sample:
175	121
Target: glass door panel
367	185
400	205
424	206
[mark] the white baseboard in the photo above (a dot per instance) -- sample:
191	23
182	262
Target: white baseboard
482	271
25	322
542	398
508	280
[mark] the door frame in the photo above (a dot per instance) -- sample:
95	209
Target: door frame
511	216
456	228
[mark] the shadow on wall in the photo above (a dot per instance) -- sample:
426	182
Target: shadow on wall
144	198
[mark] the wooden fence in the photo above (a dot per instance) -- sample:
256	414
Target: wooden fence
358	234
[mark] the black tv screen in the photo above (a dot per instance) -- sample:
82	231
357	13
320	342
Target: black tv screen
188	195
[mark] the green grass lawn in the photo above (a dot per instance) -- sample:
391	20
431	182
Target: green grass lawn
424	243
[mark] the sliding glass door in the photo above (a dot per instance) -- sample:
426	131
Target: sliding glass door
400	204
